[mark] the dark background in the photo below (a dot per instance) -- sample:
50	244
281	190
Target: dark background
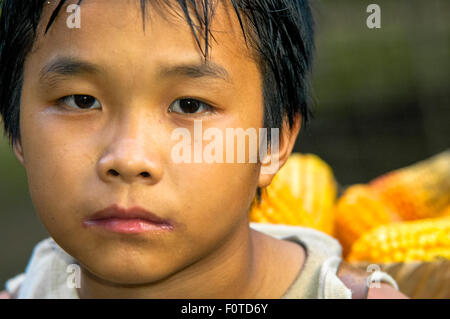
382	101
382	95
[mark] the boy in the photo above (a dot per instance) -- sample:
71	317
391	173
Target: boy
102	85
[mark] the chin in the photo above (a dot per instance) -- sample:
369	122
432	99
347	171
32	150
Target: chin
116	273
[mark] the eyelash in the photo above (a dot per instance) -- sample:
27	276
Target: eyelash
209	108
63	102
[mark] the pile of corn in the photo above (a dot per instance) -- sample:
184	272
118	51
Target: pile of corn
418	191
398	217
302	193
359	210
425	240
401	216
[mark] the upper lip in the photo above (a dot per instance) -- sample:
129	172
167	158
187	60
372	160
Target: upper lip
115	211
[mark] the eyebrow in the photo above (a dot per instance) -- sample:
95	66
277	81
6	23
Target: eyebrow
208	69
66	66
69	66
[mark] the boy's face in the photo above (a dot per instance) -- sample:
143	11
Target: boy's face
69	152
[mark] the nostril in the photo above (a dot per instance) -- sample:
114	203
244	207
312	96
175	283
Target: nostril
113	172
145	174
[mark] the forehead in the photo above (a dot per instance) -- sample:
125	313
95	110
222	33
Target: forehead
114	32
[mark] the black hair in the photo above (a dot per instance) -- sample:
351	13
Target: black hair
280	32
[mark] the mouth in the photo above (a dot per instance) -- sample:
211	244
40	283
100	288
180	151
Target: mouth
127	221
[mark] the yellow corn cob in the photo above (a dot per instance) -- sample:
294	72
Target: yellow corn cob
421	240
357	211
302	193
418	191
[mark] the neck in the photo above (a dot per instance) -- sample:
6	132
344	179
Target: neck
230	271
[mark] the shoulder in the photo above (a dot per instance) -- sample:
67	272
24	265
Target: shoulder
385	291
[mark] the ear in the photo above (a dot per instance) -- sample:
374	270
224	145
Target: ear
276	159
18	151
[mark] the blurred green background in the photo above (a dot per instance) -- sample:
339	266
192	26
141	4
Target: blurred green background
382	101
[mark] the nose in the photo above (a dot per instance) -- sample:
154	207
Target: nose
129	161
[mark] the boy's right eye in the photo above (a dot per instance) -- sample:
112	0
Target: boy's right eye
84	102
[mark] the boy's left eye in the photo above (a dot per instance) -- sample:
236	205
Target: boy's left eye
189	106
80	101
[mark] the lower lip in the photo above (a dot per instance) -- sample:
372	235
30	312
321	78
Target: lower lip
128	226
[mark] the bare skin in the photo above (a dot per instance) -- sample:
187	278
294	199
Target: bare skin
68	153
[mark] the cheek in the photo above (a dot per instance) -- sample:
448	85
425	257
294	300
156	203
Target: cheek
213	198
55	166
